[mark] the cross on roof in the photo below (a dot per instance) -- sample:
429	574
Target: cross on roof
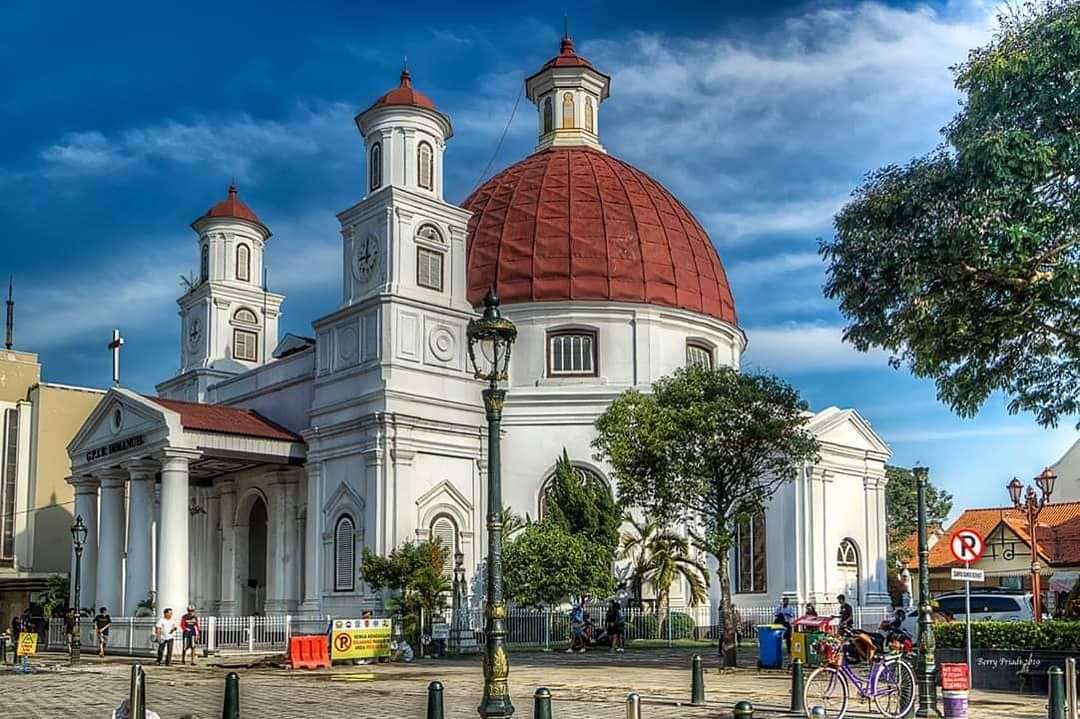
114	346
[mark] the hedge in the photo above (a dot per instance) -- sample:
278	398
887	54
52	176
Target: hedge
1048	635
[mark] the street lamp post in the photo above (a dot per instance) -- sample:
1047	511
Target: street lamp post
491	338
1031	504
927	705
78	541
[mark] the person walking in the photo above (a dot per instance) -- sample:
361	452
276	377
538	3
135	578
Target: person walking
615	626
16	630
191	632
784	616
165	633
847	614
102	622
577	629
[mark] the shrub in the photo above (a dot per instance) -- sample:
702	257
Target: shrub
1048	635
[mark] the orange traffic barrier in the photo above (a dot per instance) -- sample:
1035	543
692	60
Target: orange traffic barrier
309	652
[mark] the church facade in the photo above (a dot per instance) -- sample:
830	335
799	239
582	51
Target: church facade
255	478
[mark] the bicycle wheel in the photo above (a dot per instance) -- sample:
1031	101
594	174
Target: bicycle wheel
827	688
895	691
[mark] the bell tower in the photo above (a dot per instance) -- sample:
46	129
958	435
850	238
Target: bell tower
228	321
567	92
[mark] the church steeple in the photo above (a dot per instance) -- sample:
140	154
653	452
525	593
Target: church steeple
568	91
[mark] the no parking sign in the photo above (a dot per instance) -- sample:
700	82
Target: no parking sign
967	545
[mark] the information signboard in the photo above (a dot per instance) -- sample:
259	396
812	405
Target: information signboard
360	639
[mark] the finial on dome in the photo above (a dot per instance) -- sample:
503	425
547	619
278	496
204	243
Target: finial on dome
406	78
232	188
565	26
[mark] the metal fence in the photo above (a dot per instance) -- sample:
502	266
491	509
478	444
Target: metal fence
527	628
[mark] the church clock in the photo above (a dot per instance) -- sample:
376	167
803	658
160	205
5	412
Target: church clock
194	333
366	258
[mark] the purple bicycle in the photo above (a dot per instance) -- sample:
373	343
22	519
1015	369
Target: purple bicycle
889	682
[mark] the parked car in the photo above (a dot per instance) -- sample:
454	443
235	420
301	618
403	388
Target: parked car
986	605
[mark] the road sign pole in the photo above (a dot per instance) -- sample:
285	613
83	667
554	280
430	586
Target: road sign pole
967	616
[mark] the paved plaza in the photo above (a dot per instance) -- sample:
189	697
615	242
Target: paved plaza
586	686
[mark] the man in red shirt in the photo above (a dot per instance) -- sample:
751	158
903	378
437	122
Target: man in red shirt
189	629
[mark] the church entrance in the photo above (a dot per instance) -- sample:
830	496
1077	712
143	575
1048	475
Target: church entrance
847	561
255	587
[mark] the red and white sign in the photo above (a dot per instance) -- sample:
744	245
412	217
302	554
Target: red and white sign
955	677
967	545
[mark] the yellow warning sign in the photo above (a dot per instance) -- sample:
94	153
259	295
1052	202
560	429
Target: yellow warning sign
360	639
27	644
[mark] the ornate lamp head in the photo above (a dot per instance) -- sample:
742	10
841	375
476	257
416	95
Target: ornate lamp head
1046	480
1015	490
459	558
491	338
78	534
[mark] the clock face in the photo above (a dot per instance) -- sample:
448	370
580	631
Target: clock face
194	333
366	258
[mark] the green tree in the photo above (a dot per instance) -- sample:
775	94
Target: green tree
54	600
634	548
544	564
582	507
413	572
659	555
965	263
708	446
901	510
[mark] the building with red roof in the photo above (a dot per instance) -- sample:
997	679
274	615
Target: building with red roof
278	461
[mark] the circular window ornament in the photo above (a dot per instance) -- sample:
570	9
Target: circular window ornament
441	342
116	418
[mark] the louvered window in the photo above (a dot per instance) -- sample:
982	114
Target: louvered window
425	174
429	269
444	530
243	263
345	555
245	345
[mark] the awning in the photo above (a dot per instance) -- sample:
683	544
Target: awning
1064	581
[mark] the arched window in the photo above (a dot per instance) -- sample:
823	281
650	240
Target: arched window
585	476
549	115
245	316
589	123
750	558
567	111
847	562
375	171
445	530
243	262
424	173
204	262
698	355
344	554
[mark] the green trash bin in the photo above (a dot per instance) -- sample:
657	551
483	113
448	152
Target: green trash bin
809	631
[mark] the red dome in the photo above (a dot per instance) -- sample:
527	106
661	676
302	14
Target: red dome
404	94
233	207
574	223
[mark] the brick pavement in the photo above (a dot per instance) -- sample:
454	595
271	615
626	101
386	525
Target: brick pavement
590	686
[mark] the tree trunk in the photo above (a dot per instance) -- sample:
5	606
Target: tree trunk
727	612
662	604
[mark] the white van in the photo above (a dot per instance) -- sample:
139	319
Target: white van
986	606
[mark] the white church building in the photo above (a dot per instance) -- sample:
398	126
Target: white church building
252	482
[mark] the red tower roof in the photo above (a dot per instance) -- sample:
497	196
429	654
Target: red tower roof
233	207
574	223
404	94
567	57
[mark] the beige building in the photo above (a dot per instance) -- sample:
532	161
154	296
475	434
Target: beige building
37	420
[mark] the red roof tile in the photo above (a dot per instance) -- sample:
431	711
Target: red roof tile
574	223
1058	528
226	420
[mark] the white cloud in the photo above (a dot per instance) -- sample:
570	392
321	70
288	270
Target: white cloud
233	143
773	266
950	434
799	348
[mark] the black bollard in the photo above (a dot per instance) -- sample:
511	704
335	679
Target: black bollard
137	693
3	649
434	701
697	681
231	707
797	686
743	710
542	704
1055	708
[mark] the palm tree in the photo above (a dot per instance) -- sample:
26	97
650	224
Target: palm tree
661	556
634	547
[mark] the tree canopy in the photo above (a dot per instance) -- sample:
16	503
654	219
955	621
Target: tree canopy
545	565
581	506
901	510
413	571
710	446
965	263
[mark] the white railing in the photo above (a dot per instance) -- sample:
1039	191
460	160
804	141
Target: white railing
527	628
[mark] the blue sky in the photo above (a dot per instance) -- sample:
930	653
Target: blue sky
121	122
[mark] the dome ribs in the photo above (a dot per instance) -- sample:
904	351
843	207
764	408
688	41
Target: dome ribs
578	224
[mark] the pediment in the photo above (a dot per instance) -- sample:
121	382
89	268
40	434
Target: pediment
847	428
120	417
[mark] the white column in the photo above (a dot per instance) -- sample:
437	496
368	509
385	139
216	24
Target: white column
140	559
212	564
277	594
174	548
86	506
110	565
227	605
312	545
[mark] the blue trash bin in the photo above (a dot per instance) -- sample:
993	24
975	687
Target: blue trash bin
770	639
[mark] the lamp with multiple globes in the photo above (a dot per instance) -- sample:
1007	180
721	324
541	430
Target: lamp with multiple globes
1031	503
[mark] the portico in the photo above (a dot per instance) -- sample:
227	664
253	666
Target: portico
167	490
